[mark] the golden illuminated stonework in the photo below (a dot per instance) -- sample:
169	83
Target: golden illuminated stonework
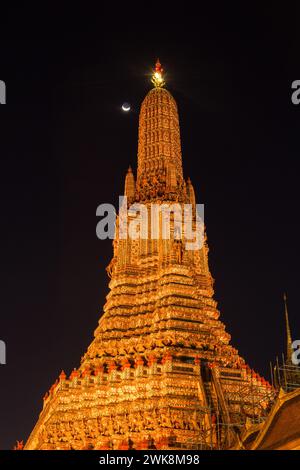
160	371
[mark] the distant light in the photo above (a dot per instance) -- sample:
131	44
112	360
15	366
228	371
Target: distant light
126	107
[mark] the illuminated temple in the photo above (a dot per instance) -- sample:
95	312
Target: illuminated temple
160	372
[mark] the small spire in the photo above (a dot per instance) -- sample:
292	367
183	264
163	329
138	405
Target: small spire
129	190
19	445
62	375
288	331
191	193
157	77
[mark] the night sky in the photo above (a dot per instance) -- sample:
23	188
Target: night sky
65	146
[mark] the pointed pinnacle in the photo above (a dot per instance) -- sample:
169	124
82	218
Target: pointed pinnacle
288	330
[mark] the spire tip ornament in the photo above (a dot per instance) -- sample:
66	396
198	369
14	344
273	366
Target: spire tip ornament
157	76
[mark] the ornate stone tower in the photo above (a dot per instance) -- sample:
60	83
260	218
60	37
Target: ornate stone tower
160	372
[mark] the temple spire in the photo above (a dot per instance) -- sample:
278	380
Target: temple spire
157	77
129	190
191	193
288	331
159	170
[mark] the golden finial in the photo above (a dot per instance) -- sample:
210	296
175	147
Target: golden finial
157	77
288	331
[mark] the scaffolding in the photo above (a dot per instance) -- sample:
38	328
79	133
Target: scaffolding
285	375
248	404
234	403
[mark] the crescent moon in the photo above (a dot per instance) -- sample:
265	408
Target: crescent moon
126	107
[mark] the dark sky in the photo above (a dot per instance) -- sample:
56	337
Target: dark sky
66	145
